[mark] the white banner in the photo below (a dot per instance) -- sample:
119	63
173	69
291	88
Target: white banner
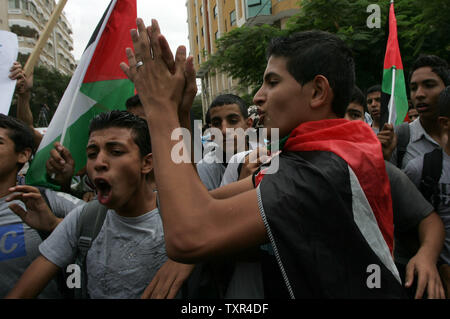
9	49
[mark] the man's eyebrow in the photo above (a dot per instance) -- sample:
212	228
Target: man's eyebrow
115	143
268	75
424	81
92	145
233	115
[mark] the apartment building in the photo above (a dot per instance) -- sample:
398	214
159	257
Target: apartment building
208	20
27	19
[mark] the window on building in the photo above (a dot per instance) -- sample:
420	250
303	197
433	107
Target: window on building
33	9
216	35
216	11
252	3
24	5
233	17
14	4
202	33
201	10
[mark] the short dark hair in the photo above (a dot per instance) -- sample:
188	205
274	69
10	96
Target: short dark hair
124	119
133	102
226	99
313	53
373	88
208	118
437	65
20	133
359	98
444	102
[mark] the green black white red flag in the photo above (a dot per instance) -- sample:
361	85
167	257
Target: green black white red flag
98	85
394	103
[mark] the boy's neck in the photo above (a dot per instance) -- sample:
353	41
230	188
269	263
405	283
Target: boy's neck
142	201
376	124
6	182
433	129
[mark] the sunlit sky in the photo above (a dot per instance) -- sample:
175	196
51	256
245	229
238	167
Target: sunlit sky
84	16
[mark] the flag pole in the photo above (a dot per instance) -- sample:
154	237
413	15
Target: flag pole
31	62
391	100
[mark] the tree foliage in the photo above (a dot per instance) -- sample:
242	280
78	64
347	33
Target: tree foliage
197	112
242	53
48	88
423	27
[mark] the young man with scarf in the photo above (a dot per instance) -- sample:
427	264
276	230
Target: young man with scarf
326	212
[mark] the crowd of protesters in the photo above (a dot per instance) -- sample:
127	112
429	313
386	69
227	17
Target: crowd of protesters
355	208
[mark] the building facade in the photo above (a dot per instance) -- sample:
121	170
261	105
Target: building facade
208	20
27	19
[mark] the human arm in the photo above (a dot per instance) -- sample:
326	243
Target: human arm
412	213
192	231
423	264
168	280
38	215
23	91
34	279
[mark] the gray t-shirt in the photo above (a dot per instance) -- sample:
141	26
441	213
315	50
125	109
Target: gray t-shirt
231	173
414	172
19	242
419	143
211	169
409	209
123	258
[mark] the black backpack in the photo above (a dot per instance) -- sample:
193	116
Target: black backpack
431	173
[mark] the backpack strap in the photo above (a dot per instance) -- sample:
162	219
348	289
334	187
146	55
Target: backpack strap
431	173
43	234
89	225
402	142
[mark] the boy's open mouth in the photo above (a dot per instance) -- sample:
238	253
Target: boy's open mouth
103	190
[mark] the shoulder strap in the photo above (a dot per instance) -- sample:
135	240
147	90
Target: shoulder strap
431	173
90	223
402	142
41	189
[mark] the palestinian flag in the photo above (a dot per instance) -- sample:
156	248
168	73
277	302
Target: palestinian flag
328	214
394	103
98	85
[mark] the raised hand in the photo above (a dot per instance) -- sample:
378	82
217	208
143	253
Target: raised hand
61	166
38	215
24	83
160	86
388	140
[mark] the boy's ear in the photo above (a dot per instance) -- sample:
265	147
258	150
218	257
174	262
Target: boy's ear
321	92
147	164
443	122
24	156
249	122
